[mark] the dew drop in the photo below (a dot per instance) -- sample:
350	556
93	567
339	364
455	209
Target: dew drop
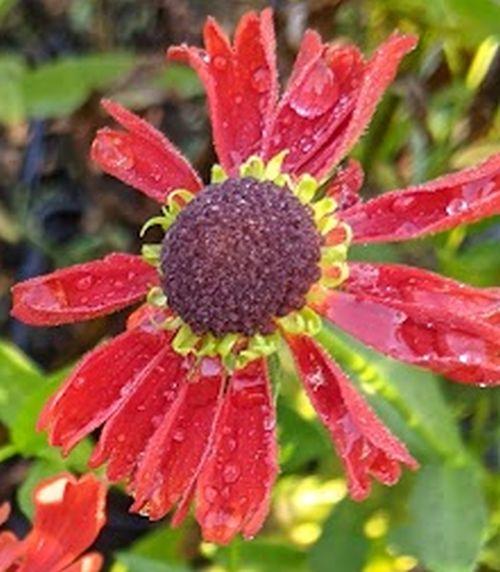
79	381
260	80
231	473
179	435
457	206
269	423
210	494
401	204
84	283
220	63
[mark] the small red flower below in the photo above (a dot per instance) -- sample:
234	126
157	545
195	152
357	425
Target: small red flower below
69	514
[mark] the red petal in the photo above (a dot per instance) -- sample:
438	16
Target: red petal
11	549
330	99
462	197
234	486
320	96
379	74
101	382
367	448
68	517
416	286
241	83
83	291
176	451
141	156
346	184
127	432
89	563
457	346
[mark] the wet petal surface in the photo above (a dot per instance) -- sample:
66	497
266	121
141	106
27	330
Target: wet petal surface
366	447
234	486
240	81
172	460
100	383
417	286
141	156
462	348
459	198
83	291
330	99
127	432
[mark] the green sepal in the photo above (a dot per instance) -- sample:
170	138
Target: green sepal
217	174
304	321
151	253
156	297
184	340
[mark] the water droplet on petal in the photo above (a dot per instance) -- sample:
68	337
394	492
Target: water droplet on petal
79	381
260	80
84	283
179	435
220	63
317	93
402	203
457	206
210	494
231	473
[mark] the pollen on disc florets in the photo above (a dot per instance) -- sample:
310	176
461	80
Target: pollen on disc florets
240	254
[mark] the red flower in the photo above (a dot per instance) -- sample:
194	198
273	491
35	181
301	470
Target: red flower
184	394
69	514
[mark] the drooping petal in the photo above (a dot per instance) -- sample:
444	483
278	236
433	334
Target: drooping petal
83	291
417	286
127	432
141	156
234	486
367	448
240	81
320	95
100	383
69	514
175	453
457	346
380	72
330	99
346	184
459	198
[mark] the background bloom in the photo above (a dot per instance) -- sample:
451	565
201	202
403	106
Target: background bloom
69	514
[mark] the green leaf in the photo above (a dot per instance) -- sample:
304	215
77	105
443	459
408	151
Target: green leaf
448	518
161	544
12	108
301	440
181	80
19	377
262	556
58	88
342	541
407	398
127	562
480	18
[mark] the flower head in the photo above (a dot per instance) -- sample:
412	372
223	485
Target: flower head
255	259
69	514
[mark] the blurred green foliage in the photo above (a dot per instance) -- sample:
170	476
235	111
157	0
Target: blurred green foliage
444	518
